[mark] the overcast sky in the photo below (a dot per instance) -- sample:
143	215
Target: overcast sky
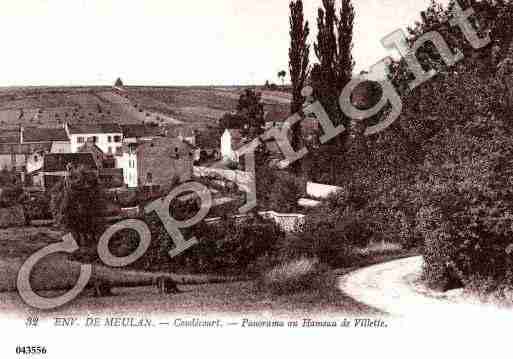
169	42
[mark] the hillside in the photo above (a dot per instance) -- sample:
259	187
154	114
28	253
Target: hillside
172	105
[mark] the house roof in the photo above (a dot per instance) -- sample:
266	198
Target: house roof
140	130
25	149
91	128
34	134
57	162
163	143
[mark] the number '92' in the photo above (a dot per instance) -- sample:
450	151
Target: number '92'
30	350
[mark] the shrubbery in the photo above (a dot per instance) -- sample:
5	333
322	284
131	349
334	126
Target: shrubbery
227	247
333	231
37	207
467	206
278	190
10	196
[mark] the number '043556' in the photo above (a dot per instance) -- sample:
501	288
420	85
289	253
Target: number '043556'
30	350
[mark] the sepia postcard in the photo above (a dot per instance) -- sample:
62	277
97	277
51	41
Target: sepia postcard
234	178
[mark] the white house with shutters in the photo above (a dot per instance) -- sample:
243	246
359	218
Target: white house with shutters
107	136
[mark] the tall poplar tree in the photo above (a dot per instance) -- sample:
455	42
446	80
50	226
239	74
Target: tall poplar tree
299	63
333	71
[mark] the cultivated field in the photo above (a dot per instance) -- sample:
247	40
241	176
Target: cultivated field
51	107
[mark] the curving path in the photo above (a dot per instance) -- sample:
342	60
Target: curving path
394	288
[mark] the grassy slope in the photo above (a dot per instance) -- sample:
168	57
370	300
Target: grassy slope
58	272
200	293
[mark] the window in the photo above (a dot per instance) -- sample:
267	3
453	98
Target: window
94	139
149	178
109	139
119	151
80	140
110	150
117	139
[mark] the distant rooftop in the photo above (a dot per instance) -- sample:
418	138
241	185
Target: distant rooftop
34	134
186	130
94	128
25	149
140	130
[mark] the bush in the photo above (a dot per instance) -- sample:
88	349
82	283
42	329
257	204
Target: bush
229	247
301	275
327	246
278	190
10	196
466	216
234	247
37	207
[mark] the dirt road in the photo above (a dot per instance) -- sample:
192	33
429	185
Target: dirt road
394	288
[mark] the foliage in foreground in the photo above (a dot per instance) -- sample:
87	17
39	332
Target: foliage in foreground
228	247
466	215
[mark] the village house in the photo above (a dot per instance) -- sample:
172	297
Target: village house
188	134
23	148
162	161
11	154
137	133
109	175
133	136
231	141
184	133
56	167
208	142
107	136
56	137
128	162
41	141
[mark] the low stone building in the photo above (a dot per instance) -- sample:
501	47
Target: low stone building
164	160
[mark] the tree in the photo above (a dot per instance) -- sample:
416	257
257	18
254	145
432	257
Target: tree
119	82
334	68
334	52
7	177
77	203
251	109
282	74
299	59
249	115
